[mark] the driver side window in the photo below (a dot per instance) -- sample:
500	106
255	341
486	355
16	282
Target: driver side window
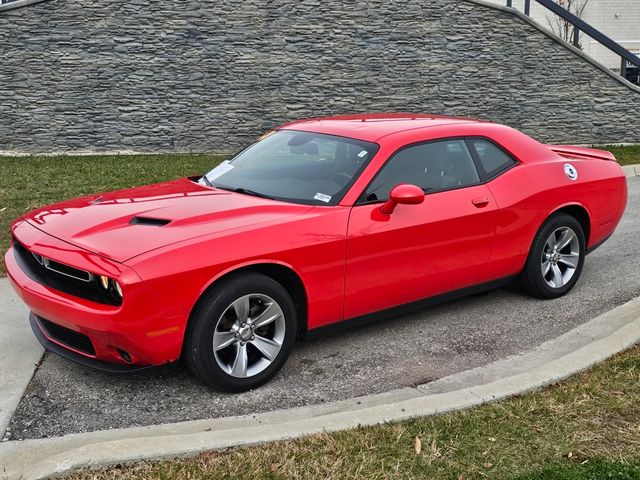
433	166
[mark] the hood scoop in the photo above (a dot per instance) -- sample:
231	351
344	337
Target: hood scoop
148	221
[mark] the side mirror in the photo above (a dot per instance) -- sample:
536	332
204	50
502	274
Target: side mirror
404	194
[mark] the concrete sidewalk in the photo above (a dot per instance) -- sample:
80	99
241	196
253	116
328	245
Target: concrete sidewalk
631	170
19	352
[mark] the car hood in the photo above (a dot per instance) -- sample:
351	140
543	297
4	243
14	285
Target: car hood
123	224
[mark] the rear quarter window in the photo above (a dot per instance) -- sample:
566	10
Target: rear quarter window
492	158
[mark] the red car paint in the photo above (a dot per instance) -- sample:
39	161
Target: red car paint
351	259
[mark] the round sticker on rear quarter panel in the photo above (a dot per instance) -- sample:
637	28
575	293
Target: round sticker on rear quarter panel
570	171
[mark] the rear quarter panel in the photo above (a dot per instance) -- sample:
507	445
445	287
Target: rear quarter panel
529	193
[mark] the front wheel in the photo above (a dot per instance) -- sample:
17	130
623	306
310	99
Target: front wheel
242	332
556	258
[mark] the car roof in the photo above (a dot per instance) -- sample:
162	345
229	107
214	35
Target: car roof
371	127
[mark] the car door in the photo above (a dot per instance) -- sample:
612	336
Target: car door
422	250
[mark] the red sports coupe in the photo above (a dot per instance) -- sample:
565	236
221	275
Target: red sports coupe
318	222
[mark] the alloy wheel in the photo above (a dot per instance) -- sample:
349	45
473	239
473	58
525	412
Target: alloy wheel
560	257
249	335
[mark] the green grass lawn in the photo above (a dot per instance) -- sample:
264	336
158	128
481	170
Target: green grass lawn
587	427
30	182
626	155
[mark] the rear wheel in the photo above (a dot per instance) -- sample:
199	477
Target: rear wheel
556	257
242	333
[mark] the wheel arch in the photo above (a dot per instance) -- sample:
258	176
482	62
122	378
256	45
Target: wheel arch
577	211
282	273
580	213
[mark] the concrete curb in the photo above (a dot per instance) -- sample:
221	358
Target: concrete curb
631	170
570	353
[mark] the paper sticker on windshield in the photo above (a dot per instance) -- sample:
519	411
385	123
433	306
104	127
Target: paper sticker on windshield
221	169
262	137
322	197
363	154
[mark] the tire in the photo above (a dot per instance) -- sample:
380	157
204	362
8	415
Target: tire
235	351
563	265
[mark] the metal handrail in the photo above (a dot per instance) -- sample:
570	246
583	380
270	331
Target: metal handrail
582	26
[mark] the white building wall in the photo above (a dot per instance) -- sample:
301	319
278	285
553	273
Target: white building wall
618	19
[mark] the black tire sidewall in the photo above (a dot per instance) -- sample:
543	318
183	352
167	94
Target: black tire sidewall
533	279
199	351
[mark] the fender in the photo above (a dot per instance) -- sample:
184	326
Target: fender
249	263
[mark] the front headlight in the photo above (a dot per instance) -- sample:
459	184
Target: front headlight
103	281
109	286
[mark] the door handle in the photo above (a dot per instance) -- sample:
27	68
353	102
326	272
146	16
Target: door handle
480	201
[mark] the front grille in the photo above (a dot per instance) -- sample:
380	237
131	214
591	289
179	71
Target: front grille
64	278
67	337
63	269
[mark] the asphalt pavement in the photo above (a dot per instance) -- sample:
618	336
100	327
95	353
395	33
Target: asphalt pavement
404	351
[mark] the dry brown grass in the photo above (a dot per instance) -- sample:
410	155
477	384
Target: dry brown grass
569	427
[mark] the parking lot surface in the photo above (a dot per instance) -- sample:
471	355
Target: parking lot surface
407	350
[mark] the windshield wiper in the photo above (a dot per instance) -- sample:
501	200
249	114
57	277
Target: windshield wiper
246	191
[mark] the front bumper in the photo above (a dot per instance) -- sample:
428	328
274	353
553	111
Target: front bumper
136	327
52	346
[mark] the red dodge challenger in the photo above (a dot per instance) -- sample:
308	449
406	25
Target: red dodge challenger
320	221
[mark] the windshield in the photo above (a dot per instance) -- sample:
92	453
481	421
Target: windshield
301	167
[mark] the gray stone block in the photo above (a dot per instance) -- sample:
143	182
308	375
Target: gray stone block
211	75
